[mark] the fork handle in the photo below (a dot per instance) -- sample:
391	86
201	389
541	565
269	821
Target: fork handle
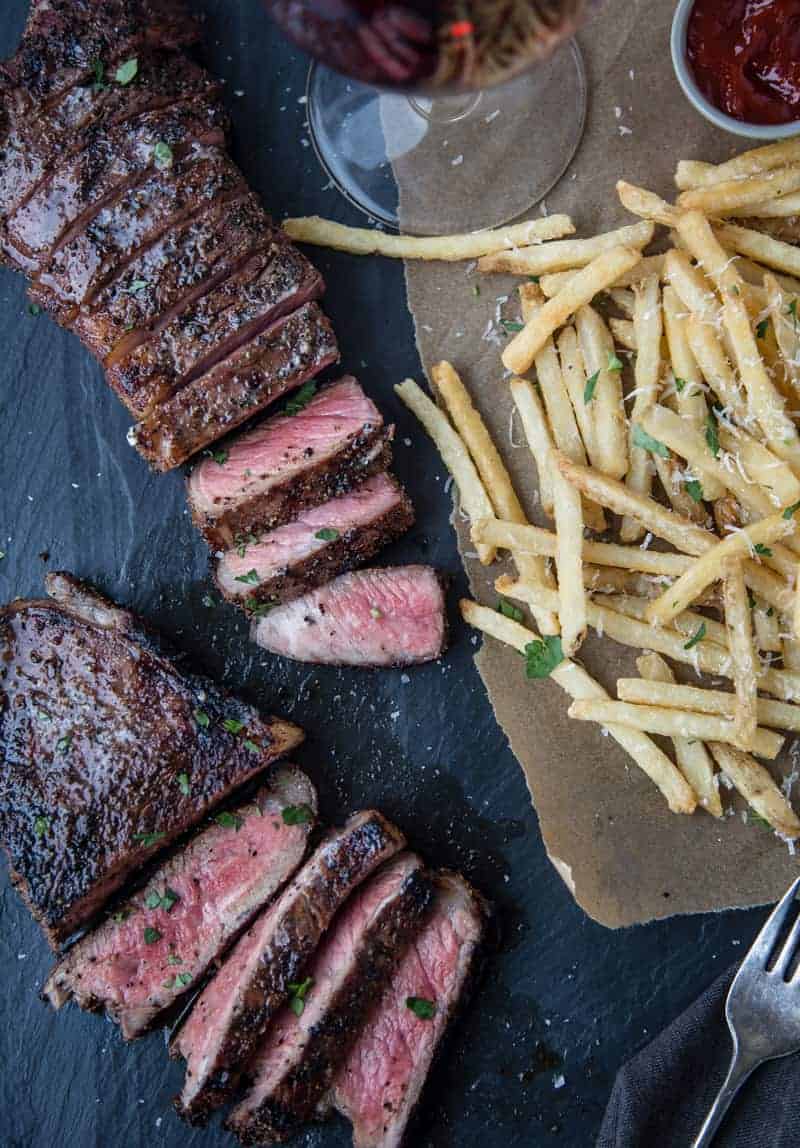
741	1068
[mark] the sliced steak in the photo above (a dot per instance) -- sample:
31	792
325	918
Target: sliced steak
273	282
161	941
300	1054
315	547
99	265
279	360
96	728
288	463
229	1017
393	616
378	1085
112	160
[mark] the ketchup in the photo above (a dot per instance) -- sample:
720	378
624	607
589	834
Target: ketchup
745	55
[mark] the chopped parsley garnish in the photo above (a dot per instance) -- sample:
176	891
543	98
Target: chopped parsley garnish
174	959
590	388
698	636
762	328
771	612
751	599
297	995
680	384
511	327
34	309
542	657
208	601
2	555
790	511
646	441
476	290
148	839
757	819
182	980
121	916
242	541
763	550
202	719
258	609
791	310
233	725
695	490
534	278
509	610
99	69
183	784
127	71
251	746
228	820
64	743
137	286
220	457
151	935
375	613
162	155
712	434
614	364
249	579
166	900
301	399
152	900
297	814
327	534
421	1007
40	826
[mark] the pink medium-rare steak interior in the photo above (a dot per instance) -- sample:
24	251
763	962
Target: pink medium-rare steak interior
299	1054
157	945
388	616
380	1082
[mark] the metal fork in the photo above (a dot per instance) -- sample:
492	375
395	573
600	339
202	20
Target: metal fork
762	1011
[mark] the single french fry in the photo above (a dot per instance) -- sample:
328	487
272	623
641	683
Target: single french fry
602	272
786	207
694	760
772	714
738	624
624	333
796	615
368	241
648	328
537	433
616	580
758	789
710	567
604	394
775	591
721	198
474	499
648	205
691	174
623	297
791	654
689	623
693	288
569	563
759	465
703	656
786	325
573	372
577	683
649	265
568	253
717	371
764	249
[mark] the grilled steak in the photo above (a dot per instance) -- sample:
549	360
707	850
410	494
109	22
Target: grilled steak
379	1084
281	359
162	940
317	545
273	282
288	463
232	1013
96	729
394	616
299	1055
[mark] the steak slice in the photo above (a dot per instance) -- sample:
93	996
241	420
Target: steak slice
162	940
319	544
299	1055
273	282
392	616
97	727
278	360
233	1012
378	1085
113	159
197	228
288	463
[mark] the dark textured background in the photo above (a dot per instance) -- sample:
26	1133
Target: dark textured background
560	994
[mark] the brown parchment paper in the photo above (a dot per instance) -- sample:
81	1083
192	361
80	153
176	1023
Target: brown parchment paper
607	829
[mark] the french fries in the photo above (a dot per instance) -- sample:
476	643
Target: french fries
648	328
603	397
569	562
691	174
774	715
738	622
565	254
451	248
757	788
537	434
724	198
648	265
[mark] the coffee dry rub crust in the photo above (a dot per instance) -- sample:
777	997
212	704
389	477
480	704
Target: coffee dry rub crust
288	462
96	728
278	360
196	902
299	1056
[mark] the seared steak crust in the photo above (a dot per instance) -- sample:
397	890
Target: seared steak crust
96	728
299	1056
196	902
233	1012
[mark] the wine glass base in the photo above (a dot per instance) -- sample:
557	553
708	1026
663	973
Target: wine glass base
434	165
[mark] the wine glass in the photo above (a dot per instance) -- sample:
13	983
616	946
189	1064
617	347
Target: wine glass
442	98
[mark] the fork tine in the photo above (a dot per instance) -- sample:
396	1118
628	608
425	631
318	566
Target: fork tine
788	951
766	939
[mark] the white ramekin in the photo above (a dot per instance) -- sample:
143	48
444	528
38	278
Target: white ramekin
692	92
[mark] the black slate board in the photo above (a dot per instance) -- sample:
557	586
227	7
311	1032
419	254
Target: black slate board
560	995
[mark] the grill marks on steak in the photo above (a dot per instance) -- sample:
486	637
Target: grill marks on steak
393	616
277	361
378	1086
317	545
299	1055
288	463
96	727
152	950
229	1017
